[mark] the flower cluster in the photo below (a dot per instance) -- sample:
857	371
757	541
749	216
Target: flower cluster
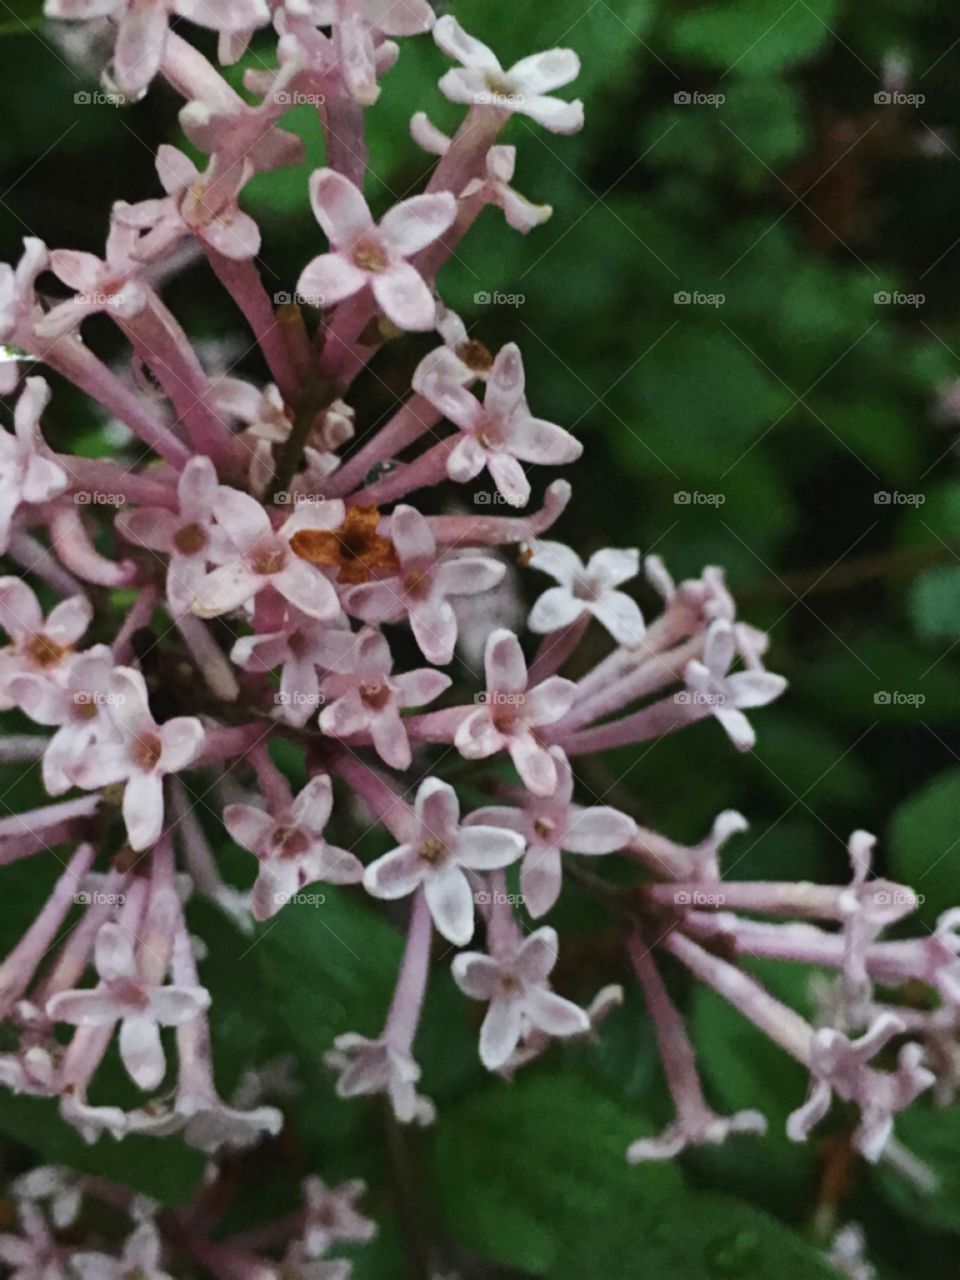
289	559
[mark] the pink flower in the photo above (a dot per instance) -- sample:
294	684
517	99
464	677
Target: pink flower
124	995
438	855
332	1216
300	649
207	203
500	433
27	471
190	538
550	825
421	591
110	284
263	558
363	253
370	698
838	1066
38	646
291	847
142	755
18	304
519	996
142	28
510	714
590	589
77	703
708	683
368	1067
481	81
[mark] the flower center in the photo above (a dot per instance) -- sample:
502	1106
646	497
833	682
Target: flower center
375	694
475	355
146	752
370	257
289	842
543	827
417	582
433	851
190	539
269	560
45	652
585	589
510	985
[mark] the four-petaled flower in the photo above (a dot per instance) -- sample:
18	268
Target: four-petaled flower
420	591
525	88
438	855
551	825
590	588
367	1067
371	698
291	847
39	646
27	472
517	989
363	252
124	995
501	432
709	684
510	714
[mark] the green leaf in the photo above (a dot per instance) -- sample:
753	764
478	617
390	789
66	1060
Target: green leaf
534	1175
756	37
932	1135
924	844
935	603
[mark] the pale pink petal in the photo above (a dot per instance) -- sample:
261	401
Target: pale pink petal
390	739
598	830
417	688
151	527
461	47
182	739
437	810
175	170
404	297
86	1008
534	440
140	45
394	875
454	401
621	616
241	517
337	866
20	613
339	207
172	1006
434	626
345	716
613	566
754	688
466	460
554	114
413	224
554	1015
556	608
114	953
477	737
469	575
249	827
308	589
375	602
226	589
81	271
69	620
738	728
549	701
234	234
411	535
541	877
141	1051
143	809
538	955
488	848
450	900
500	1032
534	764
544	72
504	663
329	279
476	975
400	17
510	478
505	383
313	805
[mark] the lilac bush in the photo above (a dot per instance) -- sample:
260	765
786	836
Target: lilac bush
278	517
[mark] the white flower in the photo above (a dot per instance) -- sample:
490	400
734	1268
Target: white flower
587	589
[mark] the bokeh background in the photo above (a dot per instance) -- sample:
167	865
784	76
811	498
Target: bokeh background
795	421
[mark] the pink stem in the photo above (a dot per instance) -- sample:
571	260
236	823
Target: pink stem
407	425
405	1008
380	798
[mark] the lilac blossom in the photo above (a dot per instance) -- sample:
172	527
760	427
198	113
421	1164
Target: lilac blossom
709	684
291	847
141	1258
38	646
590	589
510	713
364	253
369	698
366	1067
28	473
525	88
438	856
422	589
518	993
